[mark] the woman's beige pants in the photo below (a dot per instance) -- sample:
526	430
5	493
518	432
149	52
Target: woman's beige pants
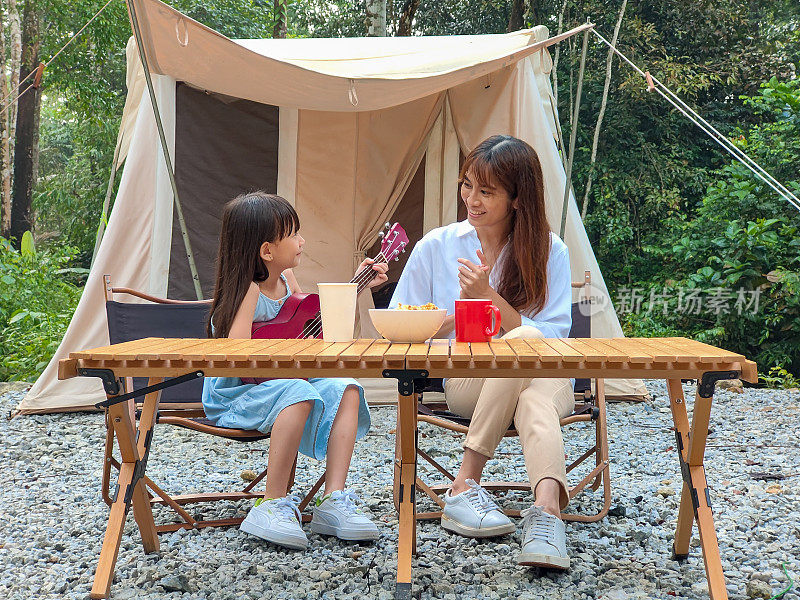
536	407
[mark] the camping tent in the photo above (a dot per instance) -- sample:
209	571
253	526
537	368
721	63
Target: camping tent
354	132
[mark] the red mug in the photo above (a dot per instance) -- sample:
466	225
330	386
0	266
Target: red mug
474	320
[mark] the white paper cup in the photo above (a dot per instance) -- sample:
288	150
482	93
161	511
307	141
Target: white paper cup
338	308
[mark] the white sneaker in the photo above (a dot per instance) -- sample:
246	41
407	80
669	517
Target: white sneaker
474	513
544	540
277	521
339	514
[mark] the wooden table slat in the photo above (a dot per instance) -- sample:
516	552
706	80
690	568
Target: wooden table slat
418	352
634	353
568	353
481	352
179	351
527	353
310	352
396	352
663	352
588	351
224	348
164	348
611	354
332	352
106	351
439	351
354	352
254	350
460	352
128	353
376	351
502	351
289	350
705	350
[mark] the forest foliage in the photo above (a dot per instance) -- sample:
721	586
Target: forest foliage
671	217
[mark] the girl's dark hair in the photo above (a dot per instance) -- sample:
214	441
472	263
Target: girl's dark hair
247	222
511	163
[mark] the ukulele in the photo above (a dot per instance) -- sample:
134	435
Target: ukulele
299	317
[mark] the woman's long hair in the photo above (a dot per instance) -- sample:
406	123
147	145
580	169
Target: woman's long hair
247	222
511	163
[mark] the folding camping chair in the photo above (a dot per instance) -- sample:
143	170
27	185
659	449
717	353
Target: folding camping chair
180	405
589	407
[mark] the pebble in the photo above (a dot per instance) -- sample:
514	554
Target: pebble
758	589
54	517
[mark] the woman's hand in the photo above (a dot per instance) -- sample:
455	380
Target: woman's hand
474	279
380	272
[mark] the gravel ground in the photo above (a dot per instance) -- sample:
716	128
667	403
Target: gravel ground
53	517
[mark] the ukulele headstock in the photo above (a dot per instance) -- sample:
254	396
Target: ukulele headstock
393	241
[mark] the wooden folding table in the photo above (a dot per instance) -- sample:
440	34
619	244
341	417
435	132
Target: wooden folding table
169	361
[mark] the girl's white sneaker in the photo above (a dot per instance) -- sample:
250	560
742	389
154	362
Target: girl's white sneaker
339	514
277	521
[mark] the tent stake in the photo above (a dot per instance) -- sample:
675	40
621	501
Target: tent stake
572	134
184	233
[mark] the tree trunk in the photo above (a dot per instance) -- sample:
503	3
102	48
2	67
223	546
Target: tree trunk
8	121
281	18
376	18
5	174
16	54
517	19
26	155
407	17
603	103
558	52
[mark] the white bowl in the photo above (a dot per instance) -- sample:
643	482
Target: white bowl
407	325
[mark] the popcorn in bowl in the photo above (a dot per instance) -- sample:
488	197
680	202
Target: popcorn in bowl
428	306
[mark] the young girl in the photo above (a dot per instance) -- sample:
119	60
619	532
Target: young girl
322	418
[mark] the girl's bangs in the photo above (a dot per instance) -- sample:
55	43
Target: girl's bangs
287	222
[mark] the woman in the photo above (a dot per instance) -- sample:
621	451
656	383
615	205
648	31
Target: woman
506	252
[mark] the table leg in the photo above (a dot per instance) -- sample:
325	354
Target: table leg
695	501
405	484
130	491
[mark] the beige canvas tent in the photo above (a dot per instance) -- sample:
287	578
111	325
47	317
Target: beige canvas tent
354	132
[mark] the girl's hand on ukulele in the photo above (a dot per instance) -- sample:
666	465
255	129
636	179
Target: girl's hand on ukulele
474	279
380	272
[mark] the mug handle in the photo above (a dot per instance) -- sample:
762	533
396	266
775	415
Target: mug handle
496	311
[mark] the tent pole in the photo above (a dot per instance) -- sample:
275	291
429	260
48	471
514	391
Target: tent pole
559	134
184	233
572	134
101	228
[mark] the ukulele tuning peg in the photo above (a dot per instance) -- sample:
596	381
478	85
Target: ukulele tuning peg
381	234
396	258
387	225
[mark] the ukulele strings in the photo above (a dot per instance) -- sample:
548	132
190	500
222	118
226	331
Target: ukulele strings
314	327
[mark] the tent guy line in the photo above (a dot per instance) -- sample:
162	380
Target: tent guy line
42	66
709	129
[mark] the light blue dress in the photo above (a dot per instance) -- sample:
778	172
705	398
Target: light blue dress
230	403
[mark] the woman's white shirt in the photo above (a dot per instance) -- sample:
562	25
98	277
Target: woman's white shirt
431	275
